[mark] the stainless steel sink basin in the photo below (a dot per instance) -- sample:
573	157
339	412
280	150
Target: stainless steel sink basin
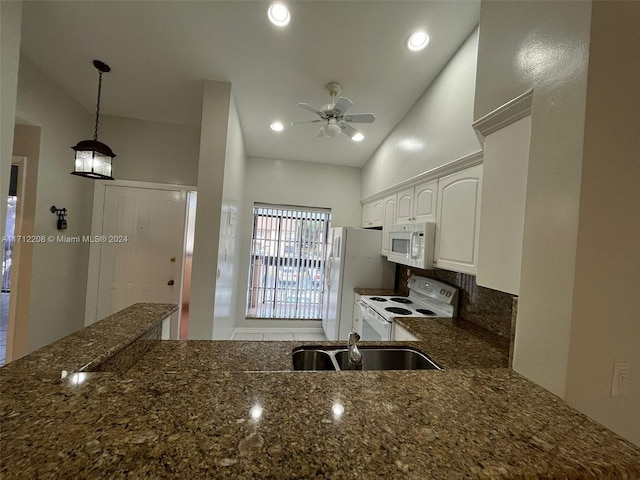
373	358
312	360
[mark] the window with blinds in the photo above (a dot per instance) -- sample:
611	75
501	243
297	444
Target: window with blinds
286	269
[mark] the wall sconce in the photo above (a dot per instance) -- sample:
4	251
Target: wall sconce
93	158
61	212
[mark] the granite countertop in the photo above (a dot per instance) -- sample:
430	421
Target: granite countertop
86	349
198	409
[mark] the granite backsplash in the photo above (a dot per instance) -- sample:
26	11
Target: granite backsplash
487	308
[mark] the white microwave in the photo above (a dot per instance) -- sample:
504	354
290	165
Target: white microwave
412	244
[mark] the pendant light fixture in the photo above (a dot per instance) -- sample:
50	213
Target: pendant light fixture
93	158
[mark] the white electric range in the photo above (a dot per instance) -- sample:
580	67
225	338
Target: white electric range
427	298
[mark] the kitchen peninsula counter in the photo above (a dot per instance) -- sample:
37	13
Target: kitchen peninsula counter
196	409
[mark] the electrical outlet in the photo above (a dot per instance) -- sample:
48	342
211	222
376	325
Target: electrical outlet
620	380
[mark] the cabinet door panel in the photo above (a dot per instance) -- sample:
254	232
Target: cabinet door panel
458	220
506	161
366	215
404	206
376	213
372	214
425	202
388	219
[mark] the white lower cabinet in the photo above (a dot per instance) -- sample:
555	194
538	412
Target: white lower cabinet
458	220
401	334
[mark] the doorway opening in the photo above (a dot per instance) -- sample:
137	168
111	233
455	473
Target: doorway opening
7	257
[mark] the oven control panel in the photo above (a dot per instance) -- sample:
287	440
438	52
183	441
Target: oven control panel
433	289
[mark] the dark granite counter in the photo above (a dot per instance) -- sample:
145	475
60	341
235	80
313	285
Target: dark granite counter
195	409
98	344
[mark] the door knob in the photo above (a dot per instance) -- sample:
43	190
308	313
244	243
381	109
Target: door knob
170	282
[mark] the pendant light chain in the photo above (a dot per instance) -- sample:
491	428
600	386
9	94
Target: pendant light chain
95	133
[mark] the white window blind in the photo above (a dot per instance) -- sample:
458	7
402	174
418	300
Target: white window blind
286	269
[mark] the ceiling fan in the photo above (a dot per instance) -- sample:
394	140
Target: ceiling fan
334	115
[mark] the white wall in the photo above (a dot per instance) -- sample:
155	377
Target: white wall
605	327
543	45
152	151
216	100
59	272
229	248
288	182
435	131
10	21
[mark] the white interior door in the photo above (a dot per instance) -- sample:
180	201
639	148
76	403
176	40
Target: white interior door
141	249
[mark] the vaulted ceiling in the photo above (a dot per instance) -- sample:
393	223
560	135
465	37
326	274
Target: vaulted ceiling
160	52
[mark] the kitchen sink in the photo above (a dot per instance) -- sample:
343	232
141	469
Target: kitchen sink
312	359
373	358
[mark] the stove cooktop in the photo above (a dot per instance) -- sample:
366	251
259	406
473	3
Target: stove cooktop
427	298
394	306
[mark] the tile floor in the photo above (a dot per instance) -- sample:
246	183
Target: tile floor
278	334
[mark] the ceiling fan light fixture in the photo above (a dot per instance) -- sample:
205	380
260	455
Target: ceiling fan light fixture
332	129
278	14
417	41
358	137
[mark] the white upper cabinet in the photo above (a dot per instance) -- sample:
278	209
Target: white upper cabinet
388	219
458	219
424	201
372	214
506	161
404	206
417	203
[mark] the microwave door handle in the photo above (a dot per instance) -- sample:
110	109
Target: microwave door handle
413	245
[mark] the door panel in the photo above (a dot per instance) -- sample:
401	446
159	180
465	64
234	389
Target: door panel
144	262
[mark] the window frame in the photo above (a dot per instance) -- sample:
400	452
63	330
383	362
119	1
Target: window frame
287	260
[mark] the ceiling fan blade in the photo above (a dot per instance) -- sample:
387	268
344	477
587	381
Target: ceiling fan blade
360	118
313	109
348	129
342	105
307	121
321	133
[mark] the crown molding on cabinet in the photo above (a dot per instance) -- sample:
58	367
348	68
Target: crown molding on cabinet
438	172
510	112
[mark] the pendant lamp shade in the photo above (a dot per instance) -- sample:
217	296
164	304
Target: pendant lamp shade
93	158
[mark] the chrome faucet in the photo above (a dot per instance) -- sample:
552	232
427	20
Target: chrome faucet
354	355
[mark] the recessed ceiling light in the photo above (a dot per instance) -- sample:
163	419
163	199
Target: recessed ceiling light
358	137
279	14
417	40
277	126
